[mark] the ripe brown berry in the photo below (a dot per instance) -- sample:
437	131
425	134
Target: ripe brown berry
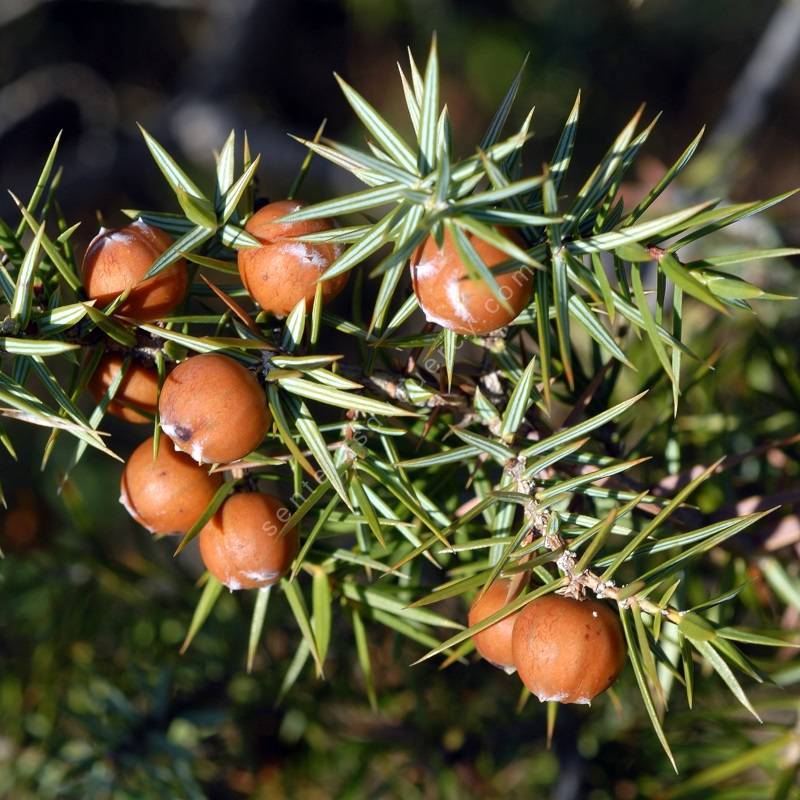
282	272
567	650
166	494
241	544
450	298
119	259
213	408
136	393
494	642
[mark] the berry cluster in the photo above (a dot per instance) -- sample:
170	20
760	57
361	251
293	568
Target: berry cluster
563	649
507	451
211	408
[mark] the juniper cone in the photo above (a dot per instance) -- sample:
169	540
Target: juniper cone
136	398
467	413
163	489
494	642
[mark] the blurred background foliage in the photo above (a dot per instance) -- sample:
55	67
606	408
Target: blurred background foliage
95	699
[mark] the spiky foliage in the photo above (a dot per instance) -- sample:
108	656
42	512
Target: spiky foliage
423	465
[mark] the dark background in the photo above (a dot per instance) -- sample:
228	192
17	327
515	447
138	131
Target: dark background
190	70
94	697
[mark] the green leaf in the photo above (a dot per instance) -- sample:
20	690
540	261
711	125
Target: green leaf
371	170
41	183
728	259
581	429
642	231
476	267
733	288
501	115
394	267
650	325
362	649
533	468
449	456
384	601
313	437
176	224
493	448
666	180
787	588
54	387
349	557
316	315
115	330
348	204
589	322
457	587
680	276
197	209
306	164
634	252
237	238
751	637
648	661
363	504
257	624
283	425
542	301
186	243
6	283
597	537
384	134
725	216
228	267
209	344
205	605
235	192
429	111
559	163
25	407
33	347
23	294
696	628
515	605
371	243
492	236
294	327
706	649
498	195
521	398
638	670
225	168
603	176
321	604
634	541
216	501
340	399
59	262
298	606
721	532
408	497
560	286
178	180
411	101
450	344
590	477
293	672
56	320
